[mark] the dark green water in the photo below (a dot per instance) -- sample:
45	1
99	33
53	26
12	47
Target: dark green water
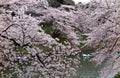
87	69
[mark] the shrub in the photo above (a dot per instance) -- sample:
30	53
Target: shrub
117	75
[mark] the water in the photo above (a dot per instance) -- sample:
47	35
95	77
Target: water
87	68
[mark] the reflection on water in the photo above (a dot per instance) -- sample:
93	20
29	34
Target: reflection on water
87	69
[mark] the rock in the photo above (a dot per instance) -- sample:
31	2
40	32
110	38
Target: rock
54	3
57	3
68	2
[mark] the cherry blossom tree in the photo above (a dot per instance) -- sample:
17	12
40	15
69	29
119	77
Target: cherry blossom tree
27	51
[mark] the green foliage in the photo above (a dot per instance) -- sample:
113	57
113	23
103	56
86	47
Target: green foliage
44	48
117	75
19	49
78	31
23	64
56	33
81	35
61	36
47	29
81	44
101	42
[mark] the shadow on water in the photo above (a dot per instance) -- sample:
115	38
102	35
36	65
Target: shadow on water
87	68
